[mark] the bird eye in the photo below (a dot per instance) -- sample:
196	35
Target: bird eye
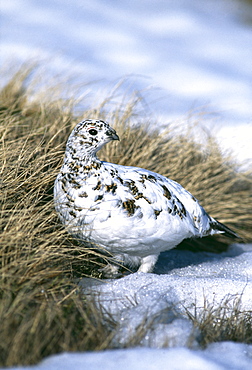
93	131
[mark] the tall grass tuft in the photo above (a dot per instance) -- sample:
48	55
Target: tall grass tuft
41	311
226	322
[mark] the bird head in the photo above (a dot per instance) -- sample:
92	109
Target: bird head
89	136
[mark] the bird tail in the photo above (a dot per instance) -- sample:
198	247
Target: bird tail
219	228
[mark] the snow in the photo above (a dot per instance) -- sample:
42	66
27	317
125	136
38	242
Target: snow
187	57
224	356
195	56
182	281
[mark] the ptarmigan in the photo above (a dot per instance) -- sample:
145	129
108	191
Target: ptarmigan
132	213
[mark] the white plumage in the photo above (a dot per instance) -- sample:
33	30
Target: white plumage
130	212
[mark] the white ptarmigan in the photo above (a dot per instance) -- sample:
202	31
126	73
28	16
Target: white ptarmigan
131	212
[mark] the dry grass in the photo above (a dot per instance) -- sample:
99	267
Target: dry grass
212	323
226	322
40	310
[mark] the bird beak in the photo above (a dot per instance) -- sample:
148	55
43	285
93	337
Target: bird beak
112	134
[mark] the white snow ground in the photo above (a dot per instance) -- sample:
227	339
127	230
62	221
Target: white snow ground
182	280
224	356
197	56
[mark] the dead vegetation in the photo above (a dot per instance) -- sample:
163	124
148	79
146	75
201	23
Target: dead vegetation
223	323
41	312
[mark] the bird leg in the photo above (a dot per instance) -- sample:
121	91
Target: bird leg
148	263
